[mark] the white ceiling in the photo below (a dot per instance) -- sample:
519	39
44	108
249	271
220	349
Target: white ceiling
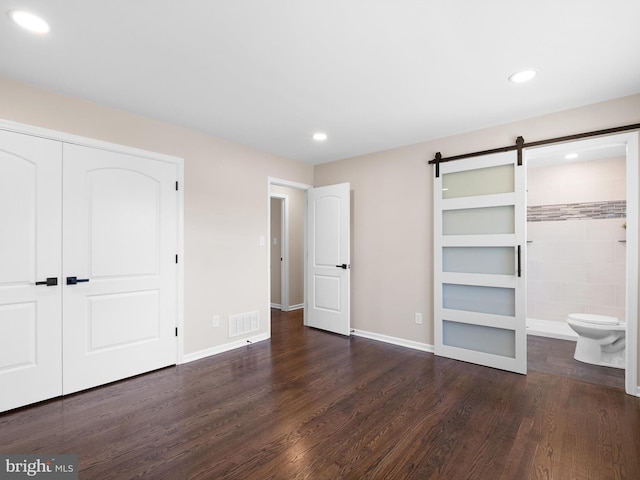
372	74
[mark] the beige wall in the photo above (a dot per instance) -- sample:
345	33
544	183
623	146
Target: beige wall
392	220
225	201
276	251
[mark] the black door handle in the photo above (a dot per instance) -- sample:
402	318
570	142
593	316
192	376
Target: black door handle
49	282
74	280
519	262
344	266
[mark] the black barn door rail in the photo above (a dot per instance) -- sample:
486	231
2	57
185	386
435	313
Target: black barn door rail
520	144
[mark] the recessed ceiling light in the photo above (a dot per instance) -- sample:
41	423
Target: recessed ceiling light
522	76
29	21
570	156
319	136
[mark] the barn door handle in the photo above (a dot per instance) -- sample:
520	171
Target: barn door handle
344	266
74	280
49	282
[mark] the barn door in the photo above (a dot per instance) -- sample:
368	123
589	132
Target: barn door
479	259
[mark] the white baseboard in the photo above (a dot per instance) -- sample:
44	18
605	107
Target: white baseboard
200	354
424	347
291	307
550	329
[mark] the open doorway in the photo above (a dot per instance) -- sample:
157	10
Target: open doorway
326	254
286	221
287	248
582	238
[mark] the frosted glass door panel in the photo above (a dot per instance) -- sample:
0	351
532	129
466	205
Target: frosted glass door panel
482	181
496	341
491	260
479	221
479	231
475	298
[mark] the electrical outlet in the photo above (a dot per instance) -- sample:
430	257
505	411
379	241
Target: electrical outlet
216	321
418	318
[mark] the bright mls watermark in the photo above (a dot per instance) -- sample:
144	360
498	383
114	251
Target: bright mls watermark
50	467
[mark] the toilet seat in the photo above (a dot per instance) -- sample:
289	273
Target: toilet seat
595	319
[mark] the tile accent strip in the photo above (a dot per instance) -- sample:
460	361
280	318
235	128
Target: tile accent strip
577	211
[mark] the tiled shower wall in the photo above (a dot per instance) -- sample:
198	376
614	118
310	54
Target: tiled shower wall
575	239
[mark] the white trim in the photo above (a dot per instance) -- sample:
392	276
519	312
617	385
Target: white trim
496	240
480	279
85	141
479	201
290	309
423	347
208	352
284	251
181	262
550	329
288	183
633	184
116	148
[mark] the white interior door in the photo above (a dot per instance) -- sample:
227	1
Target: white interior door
30	248
328	258
120	245
479	259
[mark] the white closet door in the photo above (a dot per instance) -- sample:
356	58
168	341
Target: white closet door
30	247
479	257
120	272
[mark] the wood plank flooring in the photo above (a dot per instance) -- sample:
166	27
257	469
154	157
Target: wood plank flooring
553	356
312	405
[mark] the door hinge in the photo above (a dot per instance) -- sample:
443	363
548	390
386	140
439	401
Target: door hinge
176	186
176	331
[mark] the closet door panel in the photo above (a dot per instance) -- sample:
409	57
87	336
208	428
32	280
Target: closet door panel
120	231
30	259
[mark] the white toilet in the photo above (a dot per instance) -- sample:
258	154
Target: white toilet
601	339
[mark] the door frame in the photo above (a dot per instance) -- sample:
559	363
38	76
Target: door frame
272	181
112	147
631	140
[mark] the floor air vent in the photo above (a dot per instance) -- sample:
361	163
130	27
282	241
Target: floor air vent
242	323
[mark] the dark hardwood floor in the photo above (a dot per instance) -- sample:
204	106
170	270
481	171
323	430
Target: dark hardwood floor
553	356
312	405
